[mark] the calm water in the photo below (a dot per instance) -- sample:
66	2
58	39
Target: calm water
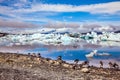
69	53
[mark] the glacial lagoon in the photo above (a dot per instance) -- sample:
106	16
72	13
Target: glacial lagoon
68	50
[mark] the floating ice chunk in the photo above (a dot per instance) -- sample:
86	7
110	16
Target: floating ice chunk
65	39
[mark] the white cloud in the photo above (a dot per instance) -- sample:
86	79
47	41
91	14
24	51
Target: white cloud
108	8
25	14
103	8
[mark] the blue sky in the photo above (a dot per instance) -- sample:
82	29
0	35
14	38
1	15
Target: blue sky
64	11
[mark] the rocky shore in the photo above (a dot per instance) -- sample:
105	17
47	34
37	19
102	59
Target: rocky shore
15	66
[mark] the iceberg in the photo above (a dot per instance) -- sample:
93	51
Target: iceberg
110	36
106	38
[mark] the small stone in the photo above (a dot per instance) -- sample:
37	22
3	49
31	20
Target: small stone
85	70
57	63
38	59
23	65
51	61
30	65
66	65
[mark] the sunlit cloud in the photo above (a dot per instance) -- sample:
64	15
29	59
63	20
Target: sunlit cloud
101	8
14	24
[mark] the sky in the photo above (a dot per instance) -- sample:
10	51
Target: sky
24	14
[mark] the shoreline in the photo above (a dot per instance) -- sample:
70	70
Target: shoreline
46	69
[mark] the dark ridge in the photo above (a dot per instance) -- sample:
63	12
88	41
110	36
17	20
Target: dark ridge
117	31
94	31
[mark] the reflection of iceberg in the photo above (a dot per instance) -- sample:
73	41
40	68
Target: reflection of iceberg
103	54
94	53
109	43
103	43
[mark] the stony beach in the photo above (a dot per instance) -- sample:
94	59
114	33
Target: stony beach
15	66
